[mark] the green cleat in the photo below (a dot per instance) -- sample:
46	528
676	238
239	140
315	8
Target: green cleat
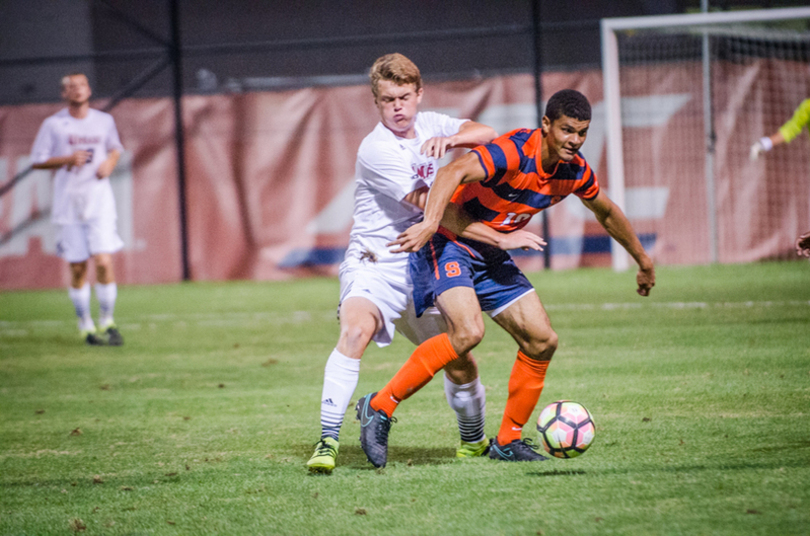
323	460
473	450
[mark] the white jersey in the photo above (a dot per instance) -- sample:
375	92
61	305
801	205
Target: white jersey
388	168
79	195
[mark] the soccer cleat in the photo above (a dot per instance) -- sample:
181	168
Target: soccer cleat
519	450
473	450
374	428
114	337
323	460
91	337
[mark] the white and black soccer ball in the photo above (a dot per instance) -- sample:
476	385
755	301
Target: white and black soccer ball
566	429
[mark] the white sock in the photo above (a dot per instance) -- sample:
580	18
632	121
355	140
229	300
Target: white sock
339	381
106	295
469	402
81	303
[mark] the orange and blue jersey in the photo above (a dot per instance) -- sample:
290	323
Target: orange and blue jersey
516	187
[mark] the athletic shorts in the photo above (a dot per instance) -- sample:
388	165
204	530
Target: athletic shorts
443	264
77	242
388	286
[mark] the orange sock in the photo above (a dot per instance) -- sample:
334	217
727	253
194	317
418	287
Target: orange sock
525	386
428	359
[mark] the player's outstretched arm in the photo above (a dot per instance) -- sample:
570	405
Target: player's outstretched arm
462	224
765	144
462	170
611	217
457	221
786	133
469	135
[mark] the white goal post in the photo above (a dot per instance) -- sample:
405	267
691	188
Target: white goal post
694	24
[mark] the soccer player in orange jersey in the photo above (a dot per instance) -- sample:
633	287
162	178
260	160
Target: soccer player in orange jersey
396	164
501	184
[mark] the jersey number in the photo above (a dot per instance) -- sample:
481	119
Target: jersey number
513	219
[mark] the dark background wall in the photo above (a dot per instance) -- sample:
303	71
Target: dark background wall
242	45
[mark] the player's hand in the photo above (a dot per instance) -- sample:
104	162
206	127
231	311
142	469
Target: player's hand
803	245
756	150
521	239
436	147
645	279
414	237
105	169
763	145
78	159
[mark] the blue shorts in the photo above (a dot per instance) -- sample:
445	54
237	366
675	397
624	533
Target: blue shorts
443	264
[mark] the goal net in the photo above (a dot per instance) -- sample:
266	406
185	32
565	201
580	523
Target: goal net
686	97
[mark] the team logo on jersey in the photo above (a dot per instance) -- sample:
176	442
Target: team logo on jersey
423	171
74	139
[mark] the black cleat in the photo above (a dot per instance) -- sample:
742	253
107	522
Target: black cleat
114	337
92	338
374	428
519	450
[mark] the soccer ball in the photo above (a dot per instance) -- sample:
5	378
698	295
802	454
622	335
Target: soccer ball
566	429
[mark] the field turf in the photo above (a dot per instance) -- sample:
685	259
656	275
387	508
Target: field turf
203	421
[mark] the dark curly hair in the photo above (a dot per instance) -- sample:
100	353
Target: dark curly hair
568	102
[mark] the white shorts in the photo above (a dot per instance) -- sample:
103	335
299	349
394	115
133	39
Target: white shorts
389	288
77	242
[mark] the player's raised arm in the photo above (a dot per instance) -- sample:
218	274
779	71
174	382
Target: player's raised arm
469	135
461	171
611	217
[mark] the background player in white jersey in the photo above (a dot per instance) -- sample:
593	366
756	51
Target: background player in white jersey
396	164
82	145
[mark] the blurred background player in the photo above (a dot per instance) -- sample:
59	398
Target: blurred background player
83	146
396	164
502	184
786	133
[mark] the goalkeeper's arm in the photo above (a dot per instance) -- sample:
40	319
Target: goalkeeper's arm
786	132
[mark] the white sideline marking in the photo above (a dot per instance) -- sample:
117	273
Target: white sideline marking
13	328
673	305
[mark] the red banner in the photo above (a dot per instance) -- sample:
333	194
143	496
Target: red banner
269	183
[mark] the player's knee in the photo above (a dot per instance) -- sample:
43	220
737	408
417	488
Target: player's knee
355	338
78	273
467	336
104	269
542	348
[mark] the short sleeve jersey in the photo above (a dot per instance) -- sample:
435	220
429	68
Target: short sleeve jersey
78	194
516	187
800	119
388	168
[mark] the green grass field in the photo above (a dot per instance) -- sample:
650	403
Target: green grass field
203	422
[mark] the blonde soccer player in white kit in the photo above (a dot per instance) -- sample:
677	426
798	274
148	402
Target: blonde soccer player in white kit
396	164
83	146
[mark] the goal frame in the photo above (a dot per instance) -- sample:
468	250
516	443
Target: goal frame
612	97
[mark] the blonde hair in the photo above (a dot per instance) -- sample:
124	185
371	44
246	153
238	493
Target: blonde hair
395	68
